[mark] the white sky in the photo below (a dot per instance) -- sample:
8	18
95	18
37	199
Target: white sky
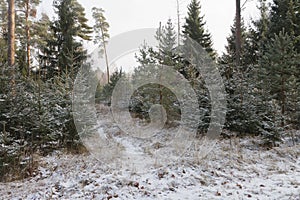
126	15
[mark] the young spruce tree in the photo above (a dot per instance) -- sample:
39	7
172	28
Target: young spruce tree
195	28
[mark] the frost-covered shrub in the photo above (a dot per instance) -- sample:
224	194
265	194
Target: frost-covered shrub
151	94
34	116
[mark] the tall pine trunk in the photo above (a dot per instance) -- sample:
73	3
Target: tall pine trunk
11	33
105	55
238	32
11	40
28	48
283	100
178	21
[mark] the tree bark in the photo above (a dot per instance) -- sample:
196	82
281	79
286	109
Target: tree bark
11	33
178	21
105	55
28	47
283	100
11	41
238	32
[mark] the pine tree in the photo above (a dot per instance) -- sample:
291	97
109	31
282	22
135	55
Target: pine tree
258	33
26	12
167	56
152	63
282	63
108	89
3	32
71	24
274	71
228	58
234	78
279	62
166	36
46	43
101	28
285	15
11	33
195	28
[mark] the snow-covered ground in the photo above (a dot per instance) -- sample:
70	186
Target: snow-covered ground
242	170
238	173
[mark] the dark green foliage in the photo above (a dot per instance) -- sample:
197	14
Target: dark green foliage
36	113
285	16
277	47
240	113
279	67
229	57
267	113
258	34
83	104
63	52
25	22
262	90
152	94
45	42
275	41
71	23
3	32
37	117
166	36
103	94
195	28
152	63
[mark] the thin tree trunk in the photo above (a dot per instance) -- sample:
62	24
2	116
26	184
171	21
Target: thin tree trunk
160	86
28	37
178	21
238	46
11	41
105	55
106	61
238	32
11	33
283	100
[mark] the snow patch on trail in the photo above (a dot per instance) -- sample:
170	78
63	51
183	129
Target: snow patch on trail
227	173
239	171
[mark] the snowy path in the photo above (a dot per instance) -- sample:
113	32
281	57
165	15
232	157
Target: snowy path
241	172
226	174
